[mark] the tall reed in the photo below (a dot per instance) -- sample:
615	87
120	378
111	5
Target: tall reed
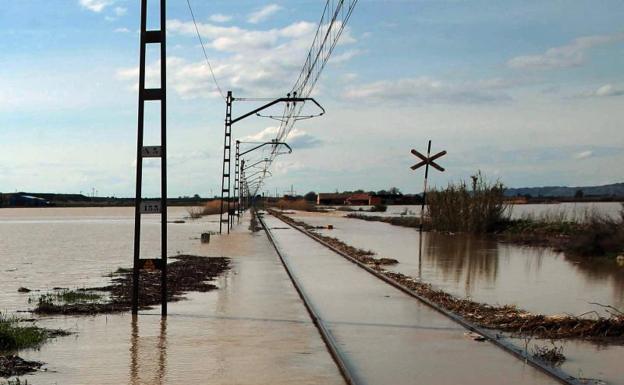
480	208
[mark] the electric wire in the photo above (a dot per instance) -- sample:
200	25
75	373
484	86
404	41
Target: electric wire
201	42
335	15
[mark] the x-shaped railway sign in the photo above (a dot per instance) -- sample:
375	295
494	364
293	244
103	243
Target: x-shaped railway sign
429	161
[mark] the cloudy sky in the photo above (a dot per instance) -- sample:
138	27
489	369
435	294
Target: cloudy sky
530	92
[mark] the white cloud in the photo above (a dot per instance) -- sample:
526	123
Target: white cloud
584	154
345	56
220	18
569	55
265	135
297	139
258	62
428	90
263	13
120	11
607	90
95	5
122	30
235	39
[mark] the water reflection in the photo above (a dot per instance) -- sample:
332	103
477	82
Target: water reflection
143	363
602	271
462	258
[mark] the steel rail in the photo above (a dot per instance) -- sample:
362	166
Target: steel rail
328	338
494	338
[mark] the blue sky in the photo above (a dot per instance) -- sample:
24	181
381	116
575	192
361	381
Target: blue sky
529	92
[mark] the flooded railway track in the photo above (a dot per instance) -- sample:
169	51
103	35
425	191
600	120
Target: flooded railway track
335	349
326	335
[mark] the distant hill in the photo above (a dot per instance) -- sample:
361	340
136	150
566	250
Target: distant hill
608	190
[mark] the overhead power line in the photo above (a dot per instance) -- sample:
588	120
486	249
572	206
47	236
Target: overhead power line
214	78
331	26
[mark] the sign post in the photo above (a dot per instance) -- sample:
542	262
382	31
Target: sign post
426	161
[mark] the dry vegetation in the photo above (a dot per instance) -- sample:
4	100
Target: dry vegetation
481	209
210	208
592	235
299	204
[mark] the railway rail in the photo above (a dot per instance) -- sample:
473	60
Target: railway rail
338	355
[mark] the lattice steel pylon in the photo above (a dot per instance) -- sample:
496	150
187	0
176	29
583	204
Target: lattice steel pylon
156	206
241	175
236	181
227	157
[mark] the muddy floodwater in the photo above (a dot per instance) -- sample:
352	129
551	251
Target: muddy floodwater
536	279
568	210
253	329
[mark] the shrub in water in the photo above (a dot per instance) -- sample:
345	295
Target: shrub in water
460	209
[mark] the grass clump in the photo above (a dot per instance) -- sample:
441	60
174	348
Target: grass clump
67	296
459	208
14	336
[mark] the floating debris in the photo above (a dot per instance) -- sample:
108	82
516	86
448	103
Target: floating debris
12	365
552	355
187	273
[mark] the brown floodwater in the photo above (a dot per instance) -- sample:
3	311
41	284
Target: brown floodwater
567	210
386	336
536	279
253	329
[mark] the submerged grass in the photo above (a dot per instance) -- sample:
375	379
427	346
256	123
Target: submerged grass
14	336
185	274
70	296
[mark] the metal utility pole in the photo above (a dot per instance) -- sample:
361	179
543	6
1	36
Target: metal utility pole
227	148
227	155
156	206
236	179
240	184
